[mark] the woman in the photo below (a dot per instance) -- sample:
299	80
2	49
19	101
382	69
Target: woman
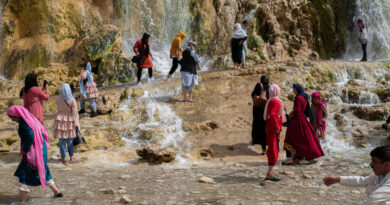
66	121
300	92
142	50
275	116
88	90
34	140
301	140
363	39
176	52
238	38
260	96
320	111
33	96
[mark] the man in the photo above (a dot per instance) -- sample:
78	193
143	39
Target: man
189	76
244	27
377	184
176	52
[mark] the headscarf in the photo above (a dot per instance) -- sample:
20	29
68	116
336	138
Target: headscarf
176	42
238	32
35	155
66	92
317	95
145	51
265	82
301	92
89	76
274	93
29	82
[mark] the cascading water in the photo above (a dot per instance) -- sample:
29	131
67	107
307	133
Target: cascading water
376	15
163	20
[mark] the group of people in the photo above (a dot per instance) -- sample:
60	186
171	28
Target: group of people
33	169
305	124
187	58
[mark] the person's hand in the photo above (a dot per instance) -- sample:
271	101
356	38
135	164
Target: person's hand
240	43
277	131
329	180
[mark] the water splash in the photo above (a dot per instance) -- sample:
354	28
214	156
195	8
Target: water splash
376	15
368	98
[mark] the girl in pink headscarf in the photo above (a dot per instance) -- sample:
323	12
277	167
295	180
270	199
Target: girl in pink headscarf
275	117
34	140
320	113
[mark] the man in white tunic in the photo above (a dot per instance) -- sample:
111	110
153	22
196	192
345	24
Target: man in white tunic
377	184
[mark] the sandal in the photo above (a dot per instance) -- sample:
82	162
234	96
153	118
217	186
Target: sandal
273	179
287	163
59	195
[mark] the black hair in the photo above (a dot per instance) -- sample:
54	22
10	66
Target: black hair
145	45
29	82
245	22
264	80
382	153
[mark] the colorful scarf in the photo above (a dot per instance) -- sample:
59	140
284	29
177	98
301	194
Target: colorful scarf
238	33
89	76
317	95
274	93
66	92
35	155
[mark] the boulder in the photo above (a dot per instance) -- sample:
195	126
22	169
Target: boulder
107	103
156	154
206	180
371	113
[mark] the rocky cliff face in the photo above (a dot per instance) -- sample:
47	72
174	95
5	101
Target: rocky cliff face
38	33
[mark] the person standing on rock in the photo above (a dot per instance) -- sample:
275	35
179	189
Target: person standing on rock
237	45
301	140
33	96
176	52
66	121
142	50
363	39
377	185
189	66
34	141
88	90
320	114
244	27
275	117
260	97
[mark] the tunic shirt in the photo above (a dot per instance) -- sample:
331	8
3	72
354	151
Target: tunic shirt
33	101
67	119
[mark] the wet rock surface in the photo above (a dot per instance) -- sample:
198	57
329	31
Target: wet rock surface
154	153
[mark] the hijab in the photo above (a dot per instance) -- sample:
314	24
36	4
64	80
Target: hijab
238	33
301	92
89	77
264	80
35	155
274	93
317	95
29	82
145	45
66	92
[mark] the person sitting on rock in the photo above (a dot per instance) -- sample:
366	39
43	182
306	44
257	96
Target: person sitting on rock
377	184
189	76
88	90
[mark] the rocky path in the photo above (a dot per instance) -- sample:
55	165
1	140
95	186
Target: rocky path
234	183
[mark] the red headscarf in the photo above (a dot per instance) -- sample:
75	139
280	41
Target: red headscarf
317	95
35	155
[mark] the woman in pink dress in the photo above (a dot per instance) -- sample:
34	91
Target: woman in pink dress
33	96
88	90
66	121
301	140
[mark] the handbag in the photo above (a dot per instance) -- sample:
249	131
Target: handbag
79	138
135	59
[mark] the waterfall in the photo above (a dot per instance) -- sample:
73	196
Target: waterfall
163	20
376	15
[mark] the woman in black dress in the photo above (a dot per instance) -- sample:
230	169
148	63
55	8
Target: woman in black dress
260	97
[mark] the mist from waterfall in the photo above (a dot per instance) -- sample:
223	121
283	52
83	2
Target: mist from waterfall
376	16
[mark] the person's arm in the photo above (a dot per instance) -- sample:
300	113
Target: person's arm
179	51
135	48
44	95
350	181
194	56
324	113
28	138
75	113
379	196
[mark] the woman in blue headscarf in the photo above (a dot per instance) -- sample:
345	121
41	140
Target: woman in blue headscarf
66	121
301	92
88	90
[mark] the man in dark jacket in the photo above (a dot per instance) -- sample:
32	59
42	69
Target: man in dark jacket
188	71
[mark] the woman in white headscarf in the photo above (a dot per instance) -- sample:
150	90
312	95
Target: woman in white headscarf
238	38
66	121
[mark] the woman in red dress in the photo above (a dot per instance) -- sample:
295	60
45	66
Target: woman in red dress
33	96
274	115
142	50
301	140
